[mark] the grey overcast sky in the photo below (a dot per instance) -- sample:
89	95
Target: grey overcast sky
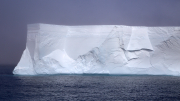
16	14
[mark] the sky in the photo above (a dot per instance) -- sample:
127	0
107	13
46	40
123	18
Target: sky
16	14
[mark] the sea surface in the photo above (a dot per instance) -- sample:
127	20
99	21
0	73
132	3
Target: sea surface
89	88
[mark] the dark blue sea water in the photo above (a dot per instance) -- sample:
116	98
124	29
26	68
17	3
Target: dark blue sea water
89	88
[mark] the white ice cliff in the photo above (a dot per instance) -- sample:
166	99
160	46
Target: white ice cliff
100	49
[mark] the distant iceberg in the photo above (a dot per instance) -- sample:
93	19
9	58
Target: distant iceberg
100	49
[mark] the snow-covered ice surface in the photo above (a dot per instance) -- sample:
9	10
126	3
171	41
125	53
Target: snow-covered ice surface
98	49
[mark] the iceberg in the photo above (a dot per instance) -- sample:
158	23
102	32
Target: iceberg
100	49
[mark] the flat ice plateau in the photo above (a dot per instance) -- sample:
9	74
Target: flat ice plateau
100	49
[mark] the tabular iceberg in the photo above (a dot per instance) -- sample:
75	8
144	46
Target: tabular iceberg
100	49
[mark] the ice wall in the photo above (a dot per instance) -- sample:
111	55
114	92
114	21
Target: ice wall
98	49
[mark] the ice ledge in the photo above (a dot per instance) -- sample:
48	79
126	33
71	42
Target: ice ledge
120	50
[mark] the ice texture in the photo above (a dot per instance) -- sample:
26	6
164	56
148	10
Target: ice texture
100	49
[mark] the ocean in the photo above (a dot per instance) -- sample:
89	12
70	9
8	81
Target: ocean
89	88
